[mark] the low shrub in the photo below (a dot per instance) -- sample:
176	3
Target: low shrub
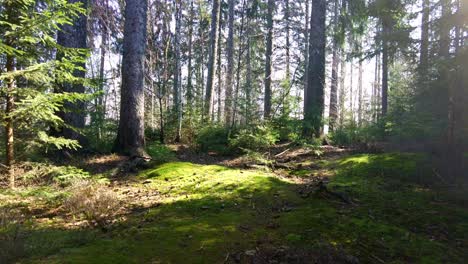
46	174
256	138
288	129
351	134
94	202
313	144
213	138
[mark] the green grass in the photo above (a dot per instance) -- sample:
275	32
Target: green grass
208	211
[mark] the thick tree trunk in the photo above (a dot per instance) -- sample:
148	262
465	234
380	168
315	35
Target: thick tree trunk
334	78
230	65
268	61
211	59
131	132
314	100
74	36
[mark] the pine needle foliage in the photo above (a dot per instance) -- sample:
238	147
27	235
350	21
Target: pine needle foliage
28	36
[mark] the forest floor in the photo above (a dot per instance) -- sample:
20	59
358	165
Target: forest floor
295	207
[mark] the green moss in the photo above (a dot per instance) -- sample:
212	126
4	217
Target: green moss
300	173
208	211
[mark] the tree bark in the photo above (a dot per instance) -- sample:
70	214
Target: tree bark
342	86
230	65
307	46
239	61
360	72
9	130
360	109
268	61
131	134
314	100
285	91
101	107
334	78
351	90
189	63
218	73
385	54
177	82
211	59
424	50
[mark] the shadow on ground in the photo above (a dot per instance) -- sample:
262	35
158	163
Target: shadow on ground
215	214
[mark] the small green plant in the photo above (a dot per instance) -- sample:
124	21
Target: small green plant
257	138
256	157
46	174
213	138
351	134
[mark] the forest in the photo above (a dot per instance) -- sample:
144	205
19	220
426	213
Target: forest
234	131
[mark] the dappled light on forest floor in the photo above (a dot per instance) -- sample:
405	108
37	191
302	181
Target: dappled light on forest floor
181	211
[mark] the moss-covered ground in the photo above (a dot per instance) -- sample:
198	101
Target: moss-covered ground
215	214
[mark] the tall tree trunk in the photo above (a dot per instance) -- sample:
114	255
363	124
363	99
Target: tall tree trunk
239	61
450	155
230	65
424	50
219	73
334	78
248	79
314	100
177	82
74	36
307	47
131	131
360	72
351	90
189	58
286	90
9	132
385	55
9	93
101	107
378	90
287	20
161	120
342	86
268	56
211	59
